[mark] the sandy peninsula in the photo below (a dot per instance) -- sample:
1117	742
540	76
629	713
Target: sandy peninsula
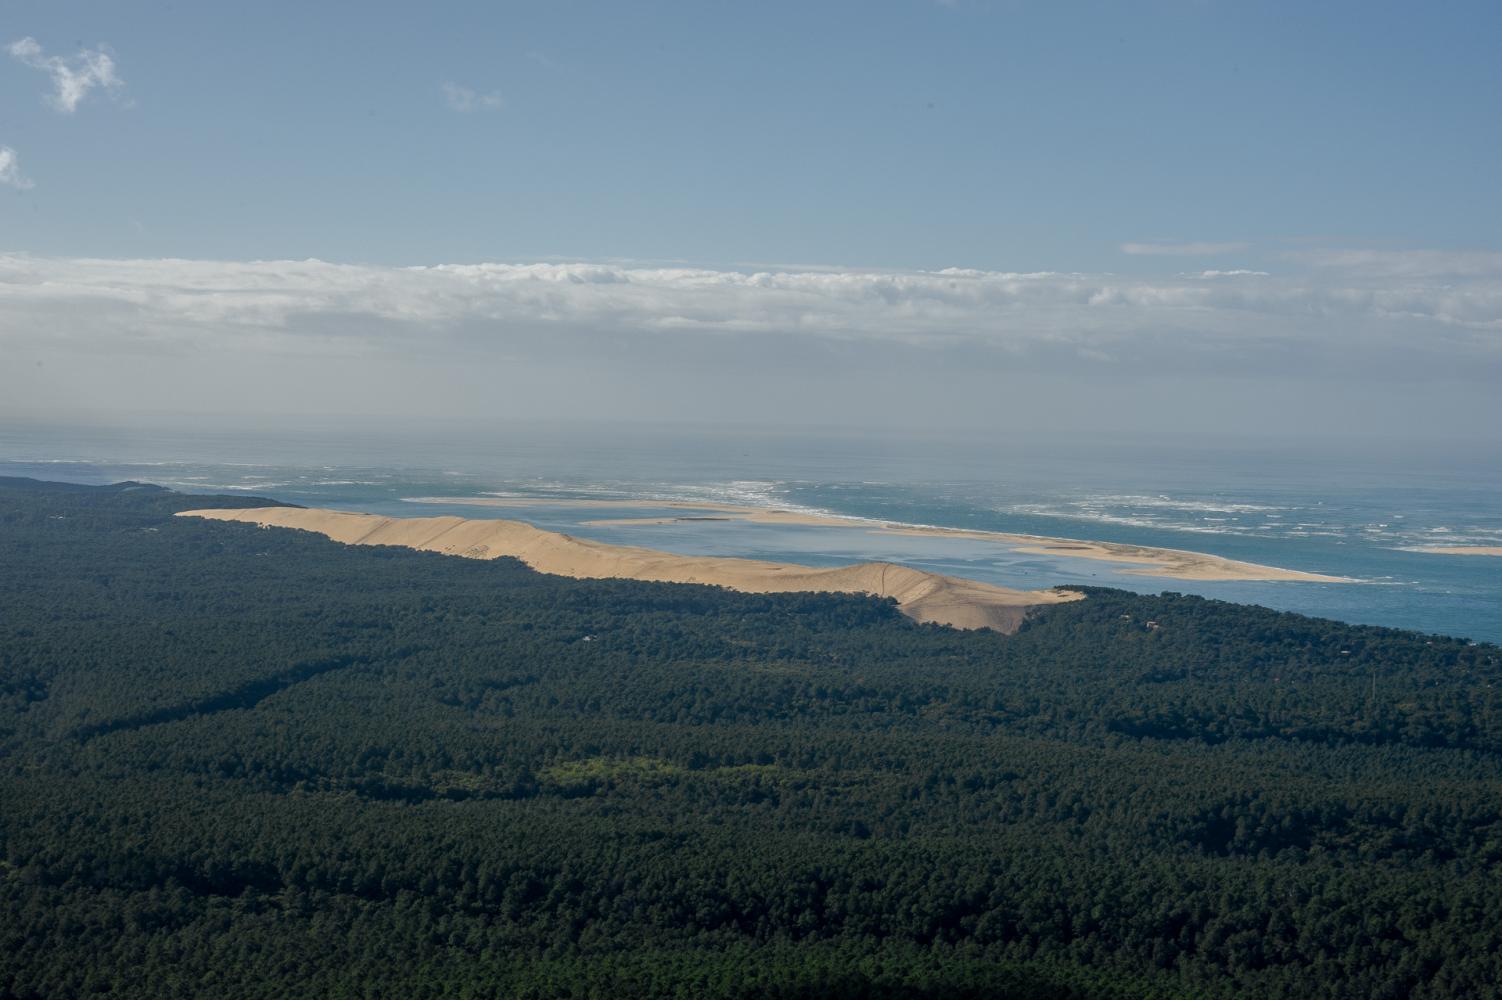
1458	550
1177	564
925	597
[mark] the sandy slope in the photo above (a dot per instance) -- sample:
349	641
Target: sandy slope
926	597
1177	564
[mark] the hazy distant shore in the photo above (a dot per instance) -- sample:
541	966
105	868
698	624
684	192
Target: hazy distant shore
923	596
1178	564
1457	550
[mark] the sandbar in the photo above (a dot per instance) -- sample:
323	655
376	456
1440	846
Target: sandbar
736	512
1458	550
922	596
1177	564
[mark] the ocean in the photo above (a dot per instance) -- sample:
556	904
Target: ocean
1349	511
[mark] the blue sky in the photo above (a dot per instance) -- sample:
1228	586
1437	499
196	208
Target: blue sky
1129	156
1012	136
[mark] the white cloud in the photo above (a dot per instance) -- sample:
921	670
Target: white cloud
466	100
10	170
1305	350
72	79
1182	249
1235	323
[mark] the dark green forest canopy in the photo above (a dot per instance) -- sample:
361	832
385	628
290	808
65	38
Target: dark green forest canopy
251	762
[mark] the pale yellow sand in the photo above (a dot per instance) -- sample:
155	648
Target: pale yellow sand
1459	550
926	597
1177	564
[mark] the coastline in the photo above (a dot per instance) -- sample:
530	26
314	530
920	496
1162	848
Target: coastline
1177	564
922	596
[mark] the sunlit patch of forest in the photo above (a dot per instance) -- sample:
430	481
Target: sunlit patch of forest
251	762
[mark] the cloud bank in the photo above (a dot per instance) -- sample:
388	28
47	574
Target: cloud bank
1337	338
1452	305
72	79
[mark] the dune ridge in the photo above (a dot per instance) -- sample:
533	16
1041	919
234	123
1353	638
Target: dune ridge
922	596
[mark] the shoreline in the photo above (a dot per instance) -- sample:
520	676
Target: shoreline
1176	564
922	596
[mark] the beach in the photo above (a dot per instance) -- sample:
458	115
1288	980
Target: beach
922	596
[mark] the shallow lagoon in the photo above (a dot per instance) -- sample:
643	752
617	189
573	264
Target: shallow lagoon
1349	515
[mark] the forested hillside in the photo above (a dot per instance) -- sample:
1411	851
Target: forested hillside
246	762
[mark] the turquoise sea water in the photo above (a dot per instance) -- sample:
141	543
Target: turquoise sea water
1341	511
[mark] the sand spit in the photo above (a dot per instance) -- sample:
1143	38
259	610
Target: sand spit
1177	564
1458	550
925	597
731	512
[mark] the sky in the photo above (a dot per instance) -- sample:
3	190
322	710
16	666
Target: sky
1242	218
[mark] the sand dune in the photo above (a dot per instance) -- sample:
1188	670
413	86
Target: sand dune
925	597
1177	564
1458	550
